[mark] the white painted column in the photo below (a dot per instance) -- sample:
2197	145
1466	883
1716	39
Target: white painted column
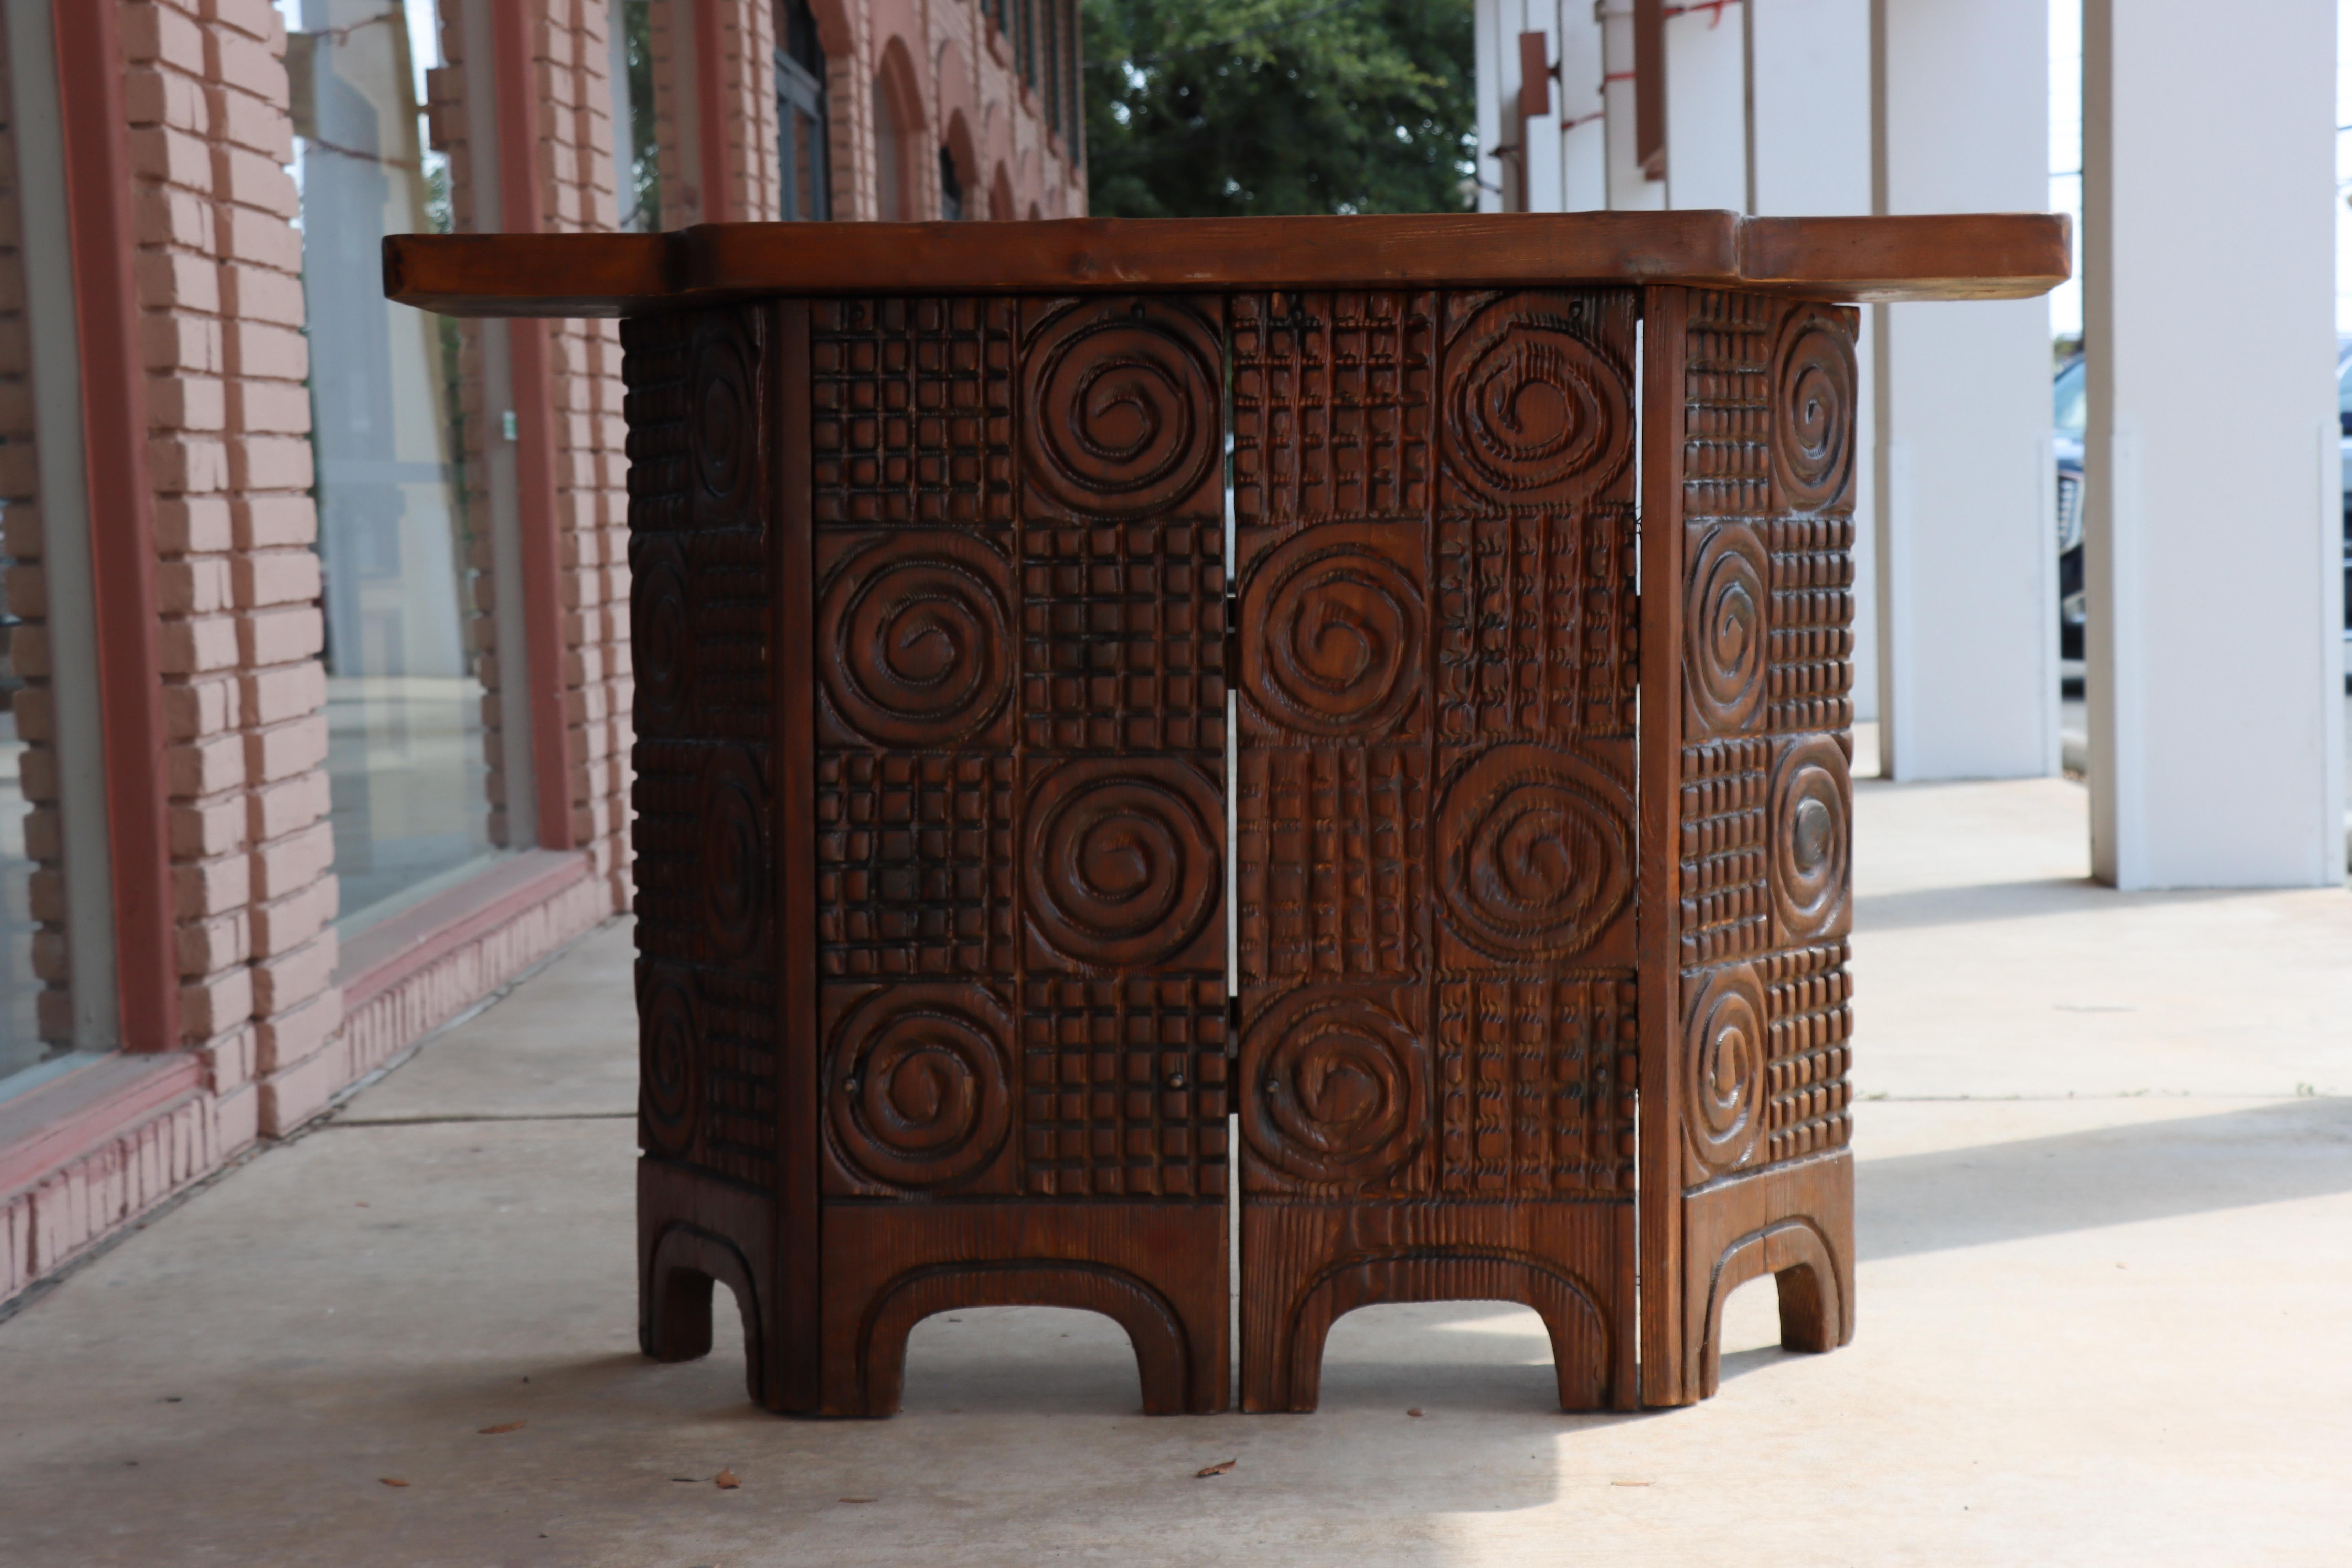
1809	154
1630	190
1706	106
1541	132
1487	46
2213	499
1583	128
1968	568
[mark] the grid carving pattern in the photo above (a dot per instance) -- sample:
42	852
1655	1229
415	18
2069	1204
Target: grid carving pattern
1331	407
1725	906
1808	1006
915	864
912	412
1434	812
1020	803
1123	638
1332	857
1536	625
1522	1110
1765	797
1123	1087
700	610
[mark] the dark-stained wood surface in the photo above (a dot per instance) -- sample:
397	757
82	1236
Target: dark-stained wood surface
1755	812
1433	513
932	635
1663	342
1944	257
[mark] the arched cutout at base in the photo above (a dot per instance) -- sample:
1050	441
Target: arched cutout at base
1804	1270
674	1300
1161	1355
1573	1319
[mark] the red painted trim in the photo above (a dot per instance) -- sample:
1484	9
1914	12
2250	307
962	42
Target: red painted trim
413	941
60	1121
121	518
544	690
711	111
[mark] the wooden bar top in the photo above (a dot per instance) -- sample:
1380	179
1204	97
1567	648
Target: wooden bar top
1966	255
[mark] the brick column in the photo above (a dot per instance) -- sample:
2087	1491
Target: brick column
220	290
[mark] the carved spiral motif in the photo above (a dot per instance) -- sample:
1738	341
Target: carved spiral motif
913	635
1123	409
1534	854
1123	865
1812	839
916	1093
733	873
1724	1050
669	1075
1338	649
723	425
1812	410
1339	1089
663	644
1531	407
1725	628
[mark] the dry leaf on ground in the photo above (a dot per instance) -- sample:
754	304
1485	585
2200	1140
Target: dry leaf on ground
1414	1411
727	1482
502	1427
1208	1470
387	1480
858	1499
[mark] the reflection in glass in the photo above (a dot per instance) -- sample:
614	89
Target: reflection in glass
21	1045
800	112
406	756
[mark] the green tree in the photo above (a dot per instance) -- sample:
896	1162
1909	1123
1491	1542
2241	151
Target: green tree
1216	108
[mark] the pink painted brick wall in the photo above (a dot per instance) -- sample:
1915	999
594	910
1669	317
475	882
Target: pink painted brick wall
229	455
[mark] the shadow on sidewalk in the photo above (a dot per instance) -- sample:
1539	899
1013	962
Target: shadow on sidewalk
1992	1193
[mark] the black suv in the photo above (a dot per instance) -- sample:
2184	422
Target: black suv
2068	419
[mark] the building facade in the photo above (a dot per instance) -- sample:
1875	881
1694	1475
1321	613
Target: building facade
317	684
2213	756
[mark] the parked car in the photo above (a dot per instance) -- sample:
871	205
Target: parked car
2068	419
2070	416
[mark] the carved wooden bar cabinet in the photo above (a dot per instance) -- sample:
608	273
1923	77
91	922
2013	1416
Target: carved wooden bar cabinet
1354	710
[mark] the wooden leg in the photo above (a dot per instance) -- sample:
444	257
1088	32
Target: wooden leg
1793	1221
674	1318
693	1234
1306	1266
1156	1270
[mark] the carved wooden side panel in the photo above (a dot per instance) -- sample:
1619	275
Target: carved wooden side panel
708	1002
1020	808
1763	803
1436	868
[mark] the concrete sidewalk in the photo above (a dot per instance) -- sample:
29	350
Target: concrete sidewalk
2104	1319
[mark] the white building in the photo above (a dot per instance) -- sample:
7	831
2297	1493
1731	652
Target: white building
2213	505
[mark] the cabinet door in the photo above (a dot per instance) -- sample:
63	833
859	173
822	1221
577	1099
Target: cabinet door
1022	1029
1436	841
1748	829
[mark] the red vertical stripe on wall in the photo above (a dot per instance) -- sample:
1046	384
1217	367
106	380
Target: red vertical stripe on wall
121	516
543	693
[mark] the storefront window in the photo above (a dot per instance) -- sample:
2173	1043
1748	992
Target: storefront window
800	112
405	754
21	1042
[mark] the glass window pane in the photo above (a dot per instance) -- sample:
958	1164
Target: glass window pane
406	757
36	1020
22	1037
